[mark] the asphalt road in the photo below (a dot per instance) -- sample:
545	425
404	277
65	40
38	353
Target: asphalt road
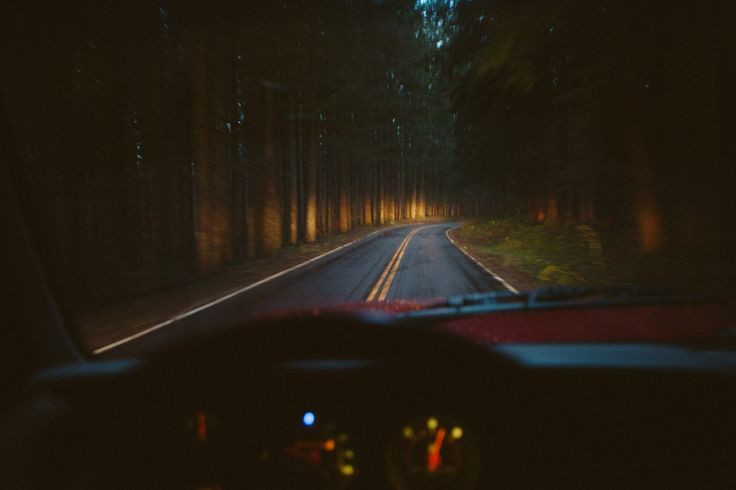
413	262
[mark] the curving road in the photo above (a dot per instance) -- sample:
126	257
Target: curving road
412	262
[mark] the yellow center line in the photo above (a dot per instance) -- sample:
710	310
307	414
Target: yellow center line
374	291
390	280
381	288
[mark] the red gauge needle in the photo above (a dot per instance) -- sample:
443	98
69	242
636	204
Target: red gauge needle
201	426
433	458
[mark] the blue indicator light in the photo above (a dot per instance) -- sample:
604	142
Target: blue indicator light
308	419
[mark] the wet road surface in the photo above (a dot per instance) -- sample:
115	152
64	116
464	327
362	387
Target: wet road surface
407	263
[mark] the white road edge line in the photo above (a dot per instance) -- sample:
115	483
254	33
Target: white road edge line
187	313
489	271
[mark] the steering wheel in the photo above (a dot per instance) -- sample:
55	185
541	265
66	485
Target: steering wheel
86	413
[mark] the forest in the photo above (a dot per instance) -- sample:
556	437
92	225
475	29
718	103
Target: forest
617	116
168	141
162	141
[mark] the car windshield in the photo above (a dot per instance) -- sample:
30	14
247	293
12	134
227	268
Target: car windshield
250	158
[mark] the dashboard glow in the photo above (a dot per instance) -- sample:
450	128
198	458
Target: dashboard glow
308	419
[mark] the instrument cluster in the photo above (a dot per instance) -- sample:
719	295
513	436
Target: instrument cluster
312	450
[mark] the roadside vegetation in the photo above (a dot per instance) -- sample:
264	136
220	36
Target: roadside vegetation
582	256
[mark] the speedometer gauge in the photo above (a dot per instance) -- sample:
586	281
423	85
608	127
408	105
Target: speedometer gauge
431	453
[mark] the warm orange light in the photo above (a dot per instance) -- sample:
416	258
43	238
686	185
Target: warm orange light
201	426
433	458
330	445
649	221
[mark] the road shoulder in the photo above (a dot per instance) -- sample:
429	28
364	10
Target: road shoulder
109	324
515	278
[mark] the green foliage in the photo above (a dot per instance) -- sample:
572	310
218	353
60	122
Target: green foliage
559	275
587	106
550	254
584	257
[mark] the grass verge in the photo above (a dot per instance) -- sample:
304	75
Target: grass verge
580	256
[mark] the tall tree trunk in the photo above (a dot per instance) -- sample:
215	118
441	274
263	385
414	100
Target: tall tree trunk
310	181
344	193
648	215
366	179
270	206
293	198
205	214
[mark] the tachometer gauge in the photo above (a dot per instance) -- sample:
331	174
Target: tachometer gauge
316	456
431	453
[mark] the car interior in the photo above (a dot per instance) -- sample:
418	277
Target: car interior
559	387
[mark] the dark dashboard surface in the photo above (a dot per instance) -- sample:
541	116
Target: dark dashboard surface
394	409
630	355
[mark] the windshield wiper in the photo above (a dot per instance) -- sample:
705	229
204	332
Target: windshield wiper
551	297
544	295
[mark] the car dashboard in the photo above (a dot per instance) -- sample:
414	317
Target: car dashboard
427	412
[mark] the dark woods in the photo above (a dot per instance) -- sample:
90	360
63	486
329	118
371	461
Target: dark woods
163	141
618	115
